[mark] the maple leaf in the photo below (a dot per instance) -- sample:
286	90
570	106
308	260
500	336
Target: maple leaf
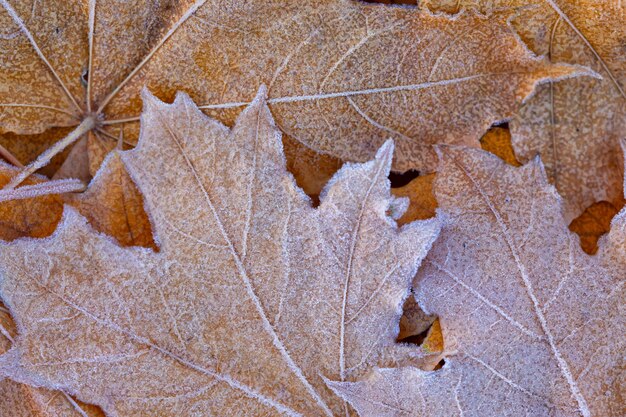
19	400
113	206
253	297
576	125
337	71
533	326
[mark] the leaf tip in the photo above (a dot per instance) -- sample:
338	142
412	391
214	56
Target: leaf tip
384	155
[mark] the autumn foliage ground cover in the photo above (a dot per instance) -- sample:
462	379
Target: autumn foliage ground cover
339	208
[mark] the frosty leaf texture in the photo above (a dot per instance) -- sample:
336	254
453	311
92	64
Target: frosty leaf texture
253	298
576	125
532	325
337	71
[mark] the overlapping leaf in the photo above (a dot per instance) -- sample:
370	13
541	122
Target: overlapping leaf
533	326
575	125
113	206
342	76
253	297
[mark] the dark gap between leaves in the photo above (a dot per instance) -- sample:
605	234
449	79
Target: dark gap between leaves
400	179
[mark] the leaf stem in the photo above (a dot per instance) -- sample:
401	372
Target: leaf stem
42	160
4	152
43	188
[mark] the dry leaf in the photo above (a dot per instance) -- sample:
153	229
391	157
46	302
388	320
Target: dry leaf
253	297
534	326
594	222
36	217
19	400
413	321
497	140
342	76
113	205
25	148
310	169
575	125
422	200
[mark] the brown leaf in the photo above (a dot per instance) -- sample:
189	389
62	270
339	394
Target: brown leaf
533	325
413	321
254	297
594	222
113	205
35	217
422	200
497	140
342	76
575	125
311	170
26	147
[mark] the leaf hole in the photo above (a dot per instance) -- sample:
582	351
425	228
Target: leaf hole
414	323
416	339
84	77
400	179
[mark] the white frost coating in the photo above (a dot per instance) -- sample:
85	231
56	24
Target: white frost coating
42	188
245	293
500	273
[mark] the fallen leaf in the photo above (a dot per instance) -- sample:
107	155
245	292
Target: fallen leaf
25	148
414	321
310	169
575	125
594	222
253	297
497	140
342	76
422	203
533	325
112	205
35	217
19	400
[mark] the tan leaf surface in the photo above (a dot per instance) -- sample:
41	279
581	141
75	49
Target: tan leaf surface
575	125
25	148
534	326
35	217
334	69
113	205
413	321
253	297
